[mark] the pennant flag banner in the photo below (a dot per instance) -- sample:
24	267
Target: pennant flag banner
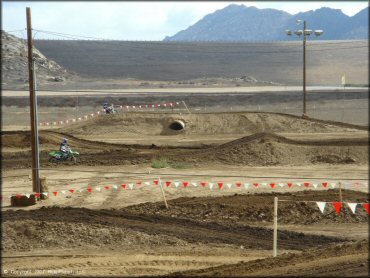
321	206
352	206
337	206
220	185
92	115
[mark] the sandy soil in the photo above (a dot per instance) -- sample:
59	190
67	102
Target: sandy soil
218	232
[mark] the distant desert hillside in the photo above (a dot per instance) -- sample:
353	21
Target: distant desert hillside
279	62
14	63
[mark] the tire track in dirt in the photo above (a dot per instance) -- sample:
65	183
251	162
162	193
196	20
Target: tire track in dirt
187	230
334	260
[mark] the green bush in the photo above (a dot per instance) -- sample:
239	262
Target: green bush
160	163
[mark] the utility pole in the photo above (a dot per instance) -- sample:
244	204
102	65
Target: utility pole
304	69
31	79
305	32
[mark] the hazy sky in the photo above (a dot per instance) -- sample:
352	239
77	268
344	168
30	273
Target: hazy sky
135	20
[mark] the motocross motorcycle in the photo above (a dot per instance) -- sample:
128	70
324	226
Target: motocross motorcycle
58	156
109	109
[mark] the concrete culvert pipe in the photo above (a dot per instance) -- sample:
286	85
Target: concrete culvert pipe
177	125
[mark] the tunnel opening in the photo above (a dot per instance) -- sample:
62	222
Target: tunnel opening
177	125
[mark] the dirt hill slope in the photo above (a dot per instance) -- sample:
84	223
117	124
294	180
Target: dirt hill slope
203	124
14	62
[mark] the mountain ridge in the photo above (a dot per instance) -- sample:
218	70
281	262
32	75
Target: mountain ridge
241	23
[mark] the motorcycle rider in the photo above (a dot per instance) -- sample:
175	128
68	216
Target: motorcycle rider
108	109
64	147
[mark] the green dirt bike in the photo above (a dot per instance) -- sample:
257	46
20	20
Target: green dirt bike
58	156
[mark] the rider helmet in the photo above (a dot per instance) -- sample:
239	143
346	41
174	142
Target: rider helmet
65	141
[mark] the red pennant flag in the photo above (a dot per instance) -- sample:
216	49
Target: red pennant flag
324	184
106	187
185	183
18	196
290	184
220	185
306	184
238	184
337	206
255	184
89	189
156	182
55	193
168	183
203	183
71	190
272	185
37	194
123	185
366	206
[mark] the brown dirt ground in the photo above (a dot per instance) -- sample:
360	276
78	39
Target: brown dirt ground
101	234
262	147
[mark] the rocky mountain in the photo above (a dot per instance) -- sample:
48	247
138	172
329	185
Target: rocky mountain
14	64
241	23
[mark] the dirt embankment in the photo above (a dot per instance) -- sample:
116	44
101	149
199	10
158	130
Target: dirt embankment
261	147
206	124
258	208
218	220
336	260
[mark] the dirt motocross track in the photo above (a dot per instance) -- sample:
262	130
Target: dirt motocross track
204	232
260	144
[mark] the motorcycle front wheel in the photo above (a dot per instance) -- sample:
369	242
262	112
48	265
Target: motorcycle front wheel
75	159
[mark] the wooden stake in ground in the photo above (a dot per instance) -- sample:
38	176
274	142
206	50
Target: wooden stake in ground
164	197
275	227
340	192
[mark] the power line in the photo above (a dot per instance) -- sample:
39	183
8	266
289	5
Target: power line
182	42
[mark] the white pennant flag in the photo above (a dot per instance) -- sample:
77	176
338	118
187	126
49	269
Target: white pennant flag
81	190
131	185
45	193
194	184
298	183
281	184
28	195
211	185
98	188
176	183
321	206
147	182
315	185
115	187
246	185
264	184
229	185
352	206
333	184
63	192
